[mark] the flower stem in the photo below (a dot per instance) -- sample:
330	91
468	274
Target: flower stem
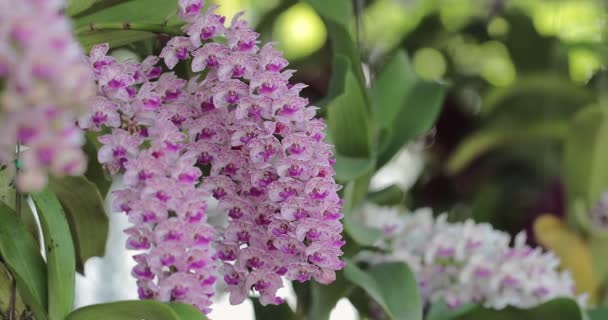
12	312
150	27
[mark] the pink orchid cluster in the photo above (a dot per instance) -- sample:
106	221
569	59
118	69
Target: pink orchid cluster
238	131
44	85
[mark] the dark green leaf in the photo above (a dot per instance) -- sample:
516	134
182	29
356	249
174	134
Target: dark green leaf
388	196
115	38
324	298
95	172
6	284
86	215
356	191
152	11
560	308
586	156
282	311
486	139
440	311
392	285
348	118
598	314
417	116
338	11
21	255
126	310
59	248
187	311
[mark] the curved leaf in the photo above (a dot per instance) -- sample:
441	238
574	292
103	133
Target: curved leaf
324	298
186	311
86	215
125	310
75	7
6	284
585	156
441	311
349	168
282	311
392	285
95	172
339	11
560	308
115	38
21	255
61	262
485	140
7	195
153	11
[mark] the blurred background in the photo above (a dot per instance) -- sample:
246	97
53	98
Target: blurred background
518	71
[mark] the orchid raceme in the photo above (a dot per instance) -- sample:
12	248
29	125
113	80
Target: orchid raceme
44	85
239	132
467	262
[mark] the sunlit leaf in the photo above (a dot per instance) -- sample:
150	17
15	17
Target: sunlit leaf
560	308
126	310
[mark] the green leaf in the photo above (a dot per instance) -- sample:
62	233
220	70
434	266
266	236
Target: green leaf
95	172
440	311
560	308
338	11
324	298
282	311
21	255
126	310
75	7
59	248
152	11
391	195
585	155
360	233
86	215
391	88
349	168
187	311
348	118
392	285
7	196
115	38
416	116
484	140
598	314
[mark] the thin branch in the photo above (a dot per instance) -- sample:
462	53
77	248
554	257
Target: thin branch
150	27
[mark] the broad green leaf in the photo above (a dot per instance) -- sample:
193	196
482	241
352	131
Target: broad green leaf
115	38
86	215
356	191
388	196
338	11
392	285
7	196
598	314
325	297
21	255
343	44
187	311
349	168
282	311
126	310
441	311
586	156
560	308
416	116
390	89
543	85
75	7
349	118
486	139
59	248
360	233
95	172
152	11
